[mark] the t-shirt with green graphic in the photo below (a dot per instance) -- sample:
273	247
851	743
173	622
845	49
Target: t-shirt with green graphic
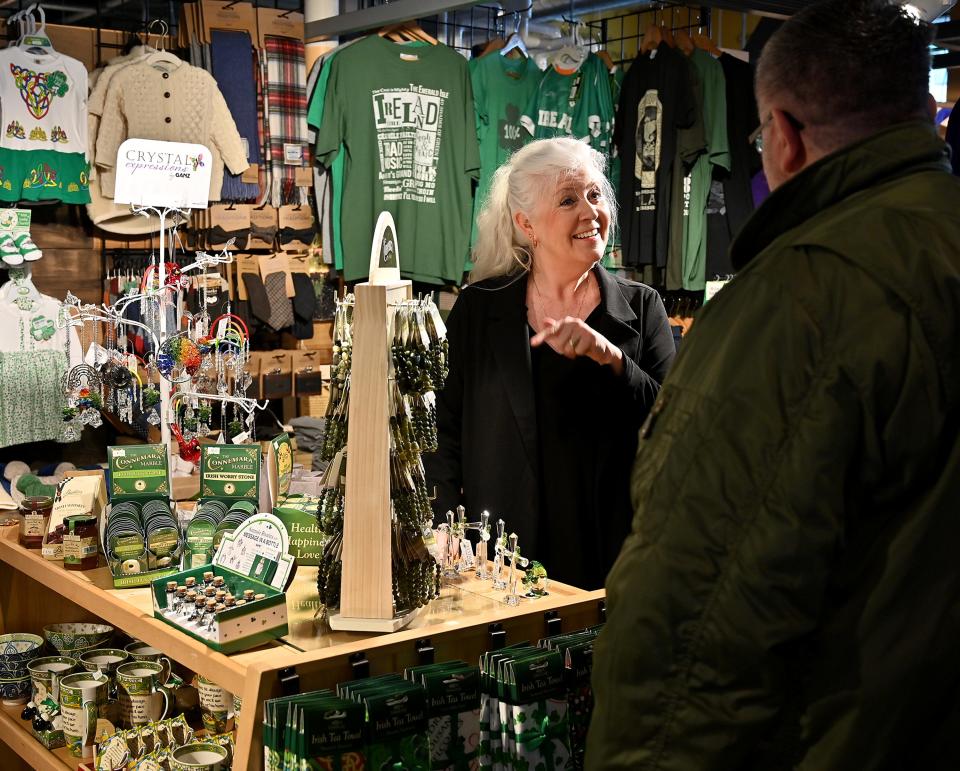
713	89
576	105
405	119
502	88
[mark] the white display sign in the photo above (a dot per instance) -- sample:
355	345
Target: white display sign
384	255
163	174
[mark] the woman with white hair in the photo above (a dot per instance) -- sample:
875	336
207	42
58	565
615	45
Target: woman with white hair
554	364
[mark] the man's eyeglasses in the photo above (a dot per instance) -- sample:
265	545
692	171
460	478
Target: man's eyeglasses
756	138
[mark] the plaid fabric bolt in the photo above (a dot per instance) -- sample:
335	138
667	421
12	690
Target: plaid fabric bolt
285	104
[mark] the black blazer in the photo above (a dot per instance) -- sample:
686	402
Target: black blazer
487	420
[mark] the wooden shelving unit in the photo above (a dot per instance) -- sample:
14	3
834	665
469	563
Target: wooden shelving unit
34	593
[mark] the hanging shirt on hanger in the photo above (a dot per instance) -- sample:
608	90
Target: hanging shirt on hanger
33	360
502	89
731	199
576	104
43	142
404	115
182	104
656	100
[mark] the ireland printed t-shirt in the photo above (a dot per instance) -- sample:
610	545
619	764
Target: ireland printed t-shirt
577	104
405	118
502	88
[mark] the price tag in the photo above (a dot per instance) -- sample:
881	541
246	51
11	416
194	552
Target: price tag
292	154
712	288
466	553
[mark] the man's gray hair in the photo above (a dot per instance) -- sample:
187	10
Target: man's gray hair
848	68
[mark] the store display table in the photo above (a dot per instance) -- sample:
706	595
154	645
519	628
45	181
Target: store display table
467	619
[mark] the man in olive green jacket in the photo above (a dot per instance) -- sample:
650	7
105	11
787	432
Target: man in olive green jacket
790	594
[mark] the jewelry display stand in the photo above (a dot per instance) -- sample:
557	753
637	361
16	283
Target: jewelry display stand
366	588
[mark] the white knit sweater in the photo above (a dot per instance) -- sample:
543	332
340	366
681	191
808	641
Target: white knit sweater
182	105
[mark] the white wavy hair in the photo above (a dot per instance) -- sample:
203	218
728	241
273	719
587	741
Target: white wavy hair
522	184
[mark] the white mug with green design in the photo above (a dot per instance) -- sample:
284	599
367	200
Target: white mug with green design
82	696
142	692
46	673
200	756
140	651
216	705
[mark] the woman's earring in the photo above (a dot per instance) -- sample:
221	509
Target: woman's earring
533	241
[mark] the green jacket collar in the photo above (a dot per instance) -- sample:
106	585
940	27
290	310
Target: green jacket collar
894	152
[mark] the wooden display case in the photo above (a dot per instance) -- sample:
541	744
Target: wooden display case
467	619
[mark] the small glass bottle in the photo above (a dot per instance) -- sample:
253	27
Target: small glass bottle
171	594
219	582
181	598
248	594
208	578
190	582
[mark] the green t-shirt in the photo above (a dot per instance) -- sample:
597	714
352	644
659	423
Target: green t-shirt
714	93
315	118
405	119
577	105
502	88
691	147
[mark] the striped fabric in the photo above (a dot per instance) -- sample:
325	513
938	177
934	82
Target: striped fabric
285	107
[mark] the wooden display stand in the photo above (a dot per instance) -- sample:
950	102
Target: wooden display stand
464	621
366	590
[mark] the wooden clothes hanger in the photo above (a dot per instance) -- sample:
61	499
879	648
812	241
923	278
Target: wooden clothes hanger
494	45
406	32
706	43
651	39
666	34
683	41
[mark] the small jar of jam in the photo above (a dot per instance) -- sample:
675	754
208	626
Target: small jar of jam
81	542
35	515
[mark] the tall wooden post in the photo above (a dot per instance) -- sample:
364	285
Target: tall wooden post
366	588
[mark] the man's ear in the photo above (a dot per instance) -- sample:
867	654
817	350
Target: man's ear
932	106
793	153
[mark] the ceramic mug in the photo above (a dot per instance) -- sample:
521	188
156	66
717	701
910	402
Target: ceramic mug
104	660
82	697
141	690
140	651
216	705
46	673
200	756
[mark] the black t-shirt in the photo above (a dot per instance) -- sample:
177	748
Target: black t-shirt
656	100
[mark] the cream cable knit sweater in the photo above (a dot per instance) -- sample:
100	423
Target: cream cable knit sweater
182	105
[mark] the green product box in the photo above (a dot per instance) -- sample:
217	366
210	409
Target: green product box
51	740
230	472
297	512
254	556
141	473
